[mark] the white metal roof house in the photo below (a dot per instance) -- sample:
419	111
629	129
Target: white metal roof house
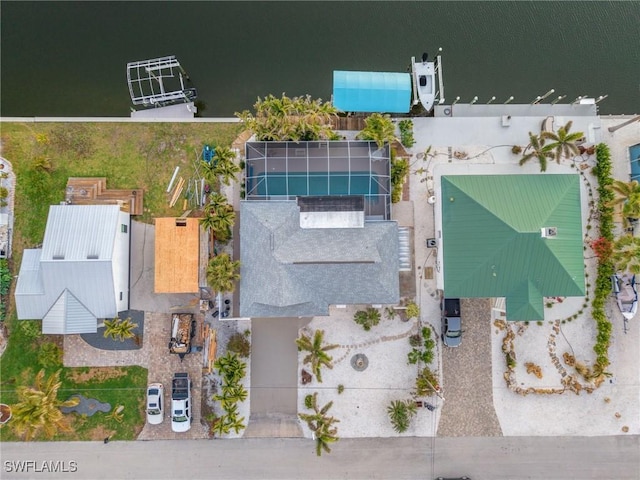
81	273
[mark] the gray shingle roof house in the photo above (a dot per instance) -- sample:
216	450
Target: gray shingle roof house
81	273
294	264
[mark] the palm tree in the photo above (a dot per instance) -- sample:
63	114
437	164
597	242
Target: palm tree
230	368
225	165
321	425
367	318
400	413
222	273
317	356
219	217
231	394
626	254
38	408
563	143
536	149
220	425
378	128
284	118
119	329
628	195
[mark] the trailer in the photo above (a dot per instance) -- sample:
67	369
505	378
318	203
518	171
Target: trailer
183	329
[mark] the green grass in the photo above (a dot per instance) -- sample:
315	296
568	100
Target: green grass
129	156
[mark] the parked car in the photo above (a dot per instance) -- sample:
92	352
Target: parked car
155	403
451	322
181	402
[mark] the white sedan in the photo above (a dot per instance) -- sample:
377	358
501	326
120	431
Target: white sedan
155	403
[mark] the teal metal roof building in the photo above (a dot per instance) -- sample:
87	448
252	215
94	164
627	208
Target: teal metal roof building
513	236
384	92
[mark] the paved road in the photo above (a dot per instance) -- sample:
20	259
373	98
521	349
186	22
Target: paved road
481	458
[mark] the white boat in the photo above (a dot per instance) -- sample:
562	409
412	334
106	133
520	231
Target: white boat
424	81
624	287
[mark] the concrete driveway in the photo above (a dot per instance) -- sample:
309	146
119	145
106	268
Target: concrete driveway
274	377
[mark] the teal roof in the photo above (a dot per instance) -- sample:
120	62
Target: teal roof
493	244
372	91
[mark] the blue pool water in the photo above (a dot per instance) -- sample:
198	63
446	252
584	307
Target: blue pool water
634	155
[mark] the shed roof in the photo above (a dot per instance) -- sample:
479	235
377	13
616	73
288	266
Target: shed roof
177	254
371	91
290	271
492	228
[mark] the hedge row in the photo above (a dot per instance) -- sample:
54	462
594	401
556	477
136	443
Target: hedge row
602	171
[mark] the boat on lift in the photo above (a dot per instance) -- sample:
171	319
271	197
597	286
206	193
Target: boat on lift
624	288
424	81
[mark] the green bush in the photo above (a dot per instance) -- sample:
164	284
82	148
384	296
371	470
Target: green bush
30	329
406	133
240	344
367	318
50	355
5	277
413	311
602	170
426	382
399	171
308	401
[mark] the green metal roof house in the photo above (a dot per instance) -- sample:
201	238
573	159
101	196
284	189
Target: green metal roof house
513	236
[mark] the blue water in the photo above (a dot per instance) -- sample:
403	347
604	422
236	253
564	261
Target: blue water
634	155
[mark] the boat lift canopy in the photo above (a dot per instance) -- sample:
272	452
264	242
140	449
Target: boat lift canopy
158	82
384	92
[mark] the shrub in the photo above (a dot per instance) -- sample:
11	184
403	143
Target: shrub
415	340
240	344
340	390
413	311
426	382
4	193
406	133
30	329
308	402
399	171
367	318
401	412
50	355
5	277
602	170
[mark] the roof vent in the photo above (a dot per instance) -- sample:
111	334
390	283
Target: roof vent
549	232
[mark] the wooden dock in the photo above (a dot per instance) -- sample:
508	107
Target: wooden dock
93	191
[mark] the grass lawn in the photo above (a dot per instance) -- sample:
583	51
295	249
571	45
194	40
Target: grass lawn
129	155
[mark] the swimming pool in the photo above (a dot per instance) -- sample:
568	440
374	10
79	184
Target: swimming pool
634	157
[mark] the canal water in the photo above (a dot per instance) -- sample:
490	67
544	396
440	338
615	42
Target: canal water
69	58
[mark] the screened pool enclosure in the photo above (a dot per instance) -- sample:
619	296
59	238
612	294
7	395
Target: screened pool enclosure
286	170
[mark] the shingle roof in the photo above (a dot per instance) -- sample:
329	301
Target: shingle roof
289	271
492	241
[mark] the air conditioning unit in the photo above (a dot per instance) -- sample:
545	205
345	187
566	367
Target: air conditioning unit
549	232
432	243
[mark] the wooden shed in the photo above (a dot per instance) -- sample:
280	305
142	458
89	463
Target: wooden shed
177	252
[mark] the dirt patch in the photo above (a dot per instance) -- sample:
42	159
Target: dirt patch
100	433
95	373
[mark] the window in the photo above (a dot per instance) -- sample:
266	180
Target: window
120	295
123	228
